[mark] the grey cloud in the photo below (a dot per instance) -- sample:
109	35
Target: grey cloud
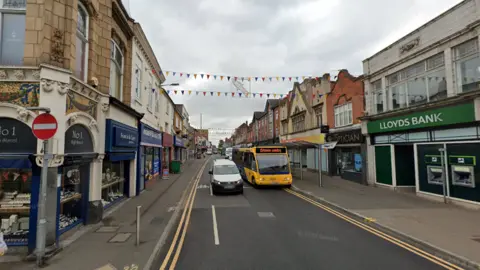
268	38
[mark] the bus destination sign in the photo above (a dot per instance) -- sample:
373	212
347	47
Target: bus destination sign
271	150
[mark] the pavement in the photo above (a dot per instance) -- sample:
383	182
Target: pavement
111	244
450	231
273	228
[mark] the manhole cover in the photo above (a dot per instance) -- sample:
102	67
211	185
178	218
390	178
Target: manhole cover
156	220
265	214
120	238
107	229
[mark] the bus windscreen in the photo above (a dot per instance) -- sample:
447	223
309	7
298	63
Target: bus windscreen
272	164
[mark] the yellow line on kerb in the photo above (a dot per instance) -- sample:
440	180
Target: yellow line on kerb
188	207
419	252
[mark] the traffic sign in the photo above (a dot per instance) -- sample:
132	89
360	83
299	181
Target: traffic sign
44	126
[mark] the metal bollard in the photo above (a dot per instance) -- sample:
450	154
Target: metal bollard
138	225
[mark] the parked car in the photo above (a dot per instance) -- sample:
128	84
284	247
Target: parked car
225	177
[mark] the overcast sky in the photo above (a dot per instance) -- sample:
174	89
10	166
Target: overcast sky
267	38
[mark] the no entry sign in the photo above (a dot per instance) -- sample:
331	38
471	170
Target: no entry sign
44	126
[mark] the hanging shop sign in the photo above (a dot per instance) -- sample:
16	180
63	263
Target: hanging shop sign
16	137
149	136
463	113
346	137
329	145
167	140
78	140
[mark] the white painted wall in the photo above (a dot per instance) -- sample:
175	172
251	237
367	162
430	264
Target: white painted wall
143	72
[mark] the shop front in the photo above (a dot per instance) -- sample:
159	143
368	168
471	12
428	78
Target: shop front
74	178
121	144
179	148
347	151
434	151
149	156
19	184
167	150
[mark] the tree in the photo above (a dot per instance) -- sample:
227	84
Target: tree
220	144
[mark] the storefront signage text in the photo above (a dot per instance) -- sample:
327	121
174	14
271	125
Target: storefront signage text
178	141
78	140
150	136
124	137
346	137
16	137
443	116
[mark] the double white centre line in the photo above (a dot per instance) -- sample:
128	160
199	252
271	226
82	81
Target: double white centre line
215	227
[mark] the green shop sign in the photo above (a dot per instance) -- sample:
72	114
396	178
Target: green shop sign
463	113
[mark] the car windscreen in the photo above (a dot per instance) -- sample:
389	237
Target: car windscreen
272	163
225	169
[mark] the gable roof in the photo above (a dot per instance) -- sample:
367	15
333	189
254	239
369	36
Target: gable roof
296	86
273	103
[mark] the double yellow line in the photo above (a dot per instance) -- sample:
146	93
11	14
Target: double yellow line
184	221
389	238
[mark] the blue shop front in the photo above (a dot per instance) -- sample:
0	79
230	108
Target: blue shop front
179	148
118	172
19	184
149	156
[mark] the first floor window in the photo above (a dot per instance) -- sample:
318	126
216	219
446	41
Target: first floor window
298	123
81	43
318	116
13	38
116	71
378	96
343	115
467	65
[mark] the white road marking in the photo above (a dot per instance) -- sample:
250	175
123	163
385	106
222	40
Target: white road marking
211	191
215	228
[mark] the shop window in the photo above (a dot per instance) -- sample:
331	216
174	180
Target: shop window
467	65
113	181
71	206
116	71
343	115
148	163
12	18
81	56
349	159
418	137
455	134
15	194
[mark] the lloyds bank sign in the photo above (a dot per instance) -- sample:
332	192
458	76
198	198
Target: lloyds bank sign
463	113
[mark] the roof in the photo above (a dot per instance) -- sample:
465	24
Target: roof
273	103
257	115
223	162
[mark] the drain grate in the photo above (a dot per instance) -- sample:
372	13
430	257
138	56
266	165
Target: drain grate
107	229
120	238
266	214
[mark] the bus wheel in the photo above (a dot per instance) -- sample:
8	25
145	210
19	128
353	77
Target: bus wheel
253	182
288	186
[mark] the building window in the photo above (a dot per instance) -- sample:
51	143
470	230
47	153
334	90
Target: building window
284	128
12	19
166	128
467	66
167	108
149	89
116	71
418	84
318	116
298	123
81	55
157	102
377	96
138	78
343	115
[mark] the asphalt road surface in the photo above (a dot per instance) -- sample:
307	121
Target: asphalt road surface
273	229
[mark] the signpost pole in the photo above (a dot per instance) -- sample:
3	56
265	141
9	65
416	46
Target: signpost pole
320	180
42	222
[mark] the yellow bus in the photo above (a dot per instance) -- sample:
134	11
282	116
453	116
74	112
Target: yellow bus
264	165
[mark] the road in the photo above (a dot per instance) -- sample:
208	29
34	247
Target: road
274	229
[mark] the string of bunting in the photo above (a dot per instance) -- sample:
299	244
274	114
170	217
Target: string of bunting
209	76
234	94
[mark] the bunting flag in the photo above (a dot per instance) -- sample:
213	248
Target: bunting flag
209	76
219	93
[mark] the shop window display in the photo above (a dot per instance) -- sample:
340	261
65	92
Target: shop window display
349	159
113	181
15	193
148	163
71	198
